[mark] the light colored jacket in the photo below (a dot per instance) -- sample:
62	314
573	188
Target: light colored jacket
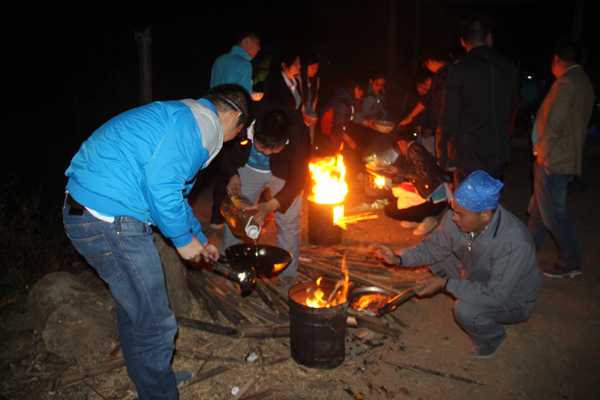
562	122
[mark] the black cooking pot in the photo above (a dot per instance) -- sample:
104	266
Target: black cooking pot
265	259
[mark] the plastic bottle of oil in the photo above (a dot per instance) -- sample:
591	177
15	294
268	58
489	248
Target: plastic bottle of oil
240	221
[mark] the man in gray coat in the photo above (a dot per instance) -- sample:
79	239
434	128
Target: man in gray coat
489	258
558	140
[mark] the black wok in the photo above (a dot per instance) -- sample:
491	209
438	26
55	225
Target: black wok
265	259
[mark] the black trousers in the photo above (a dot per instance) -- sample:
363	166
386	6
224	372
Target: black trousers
415	213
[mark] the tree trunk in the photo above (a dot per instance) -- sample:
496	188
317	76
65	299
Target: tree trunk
175	276
144	41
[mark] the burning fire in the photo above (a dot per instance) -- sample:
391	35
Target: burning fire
372	301
328	175
315	296
379	181
330	185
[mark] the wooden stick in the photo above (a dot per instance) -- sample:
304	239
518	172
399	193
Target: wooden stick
230	313
254	303
203	356
377	327
207	327
93	371
251	382
277	302
247	331
398	320
113	353
259	396
94	389
265	331
355	277
204	363
428	371
204	376
200	294
316	274
262	315
34	392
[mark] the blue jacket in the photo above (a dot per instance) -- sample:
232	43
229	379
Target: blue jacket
372	107
233	67
143	164
344	107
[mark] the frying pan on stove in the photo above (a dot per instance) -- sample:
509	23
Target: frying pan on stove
265	259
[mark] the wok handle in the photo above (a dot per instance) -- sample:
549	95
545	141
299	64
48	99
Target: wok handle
407	294
401	298
220	266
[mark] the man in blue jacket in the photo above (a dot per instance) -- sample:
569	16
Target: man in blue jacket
235	66
135	171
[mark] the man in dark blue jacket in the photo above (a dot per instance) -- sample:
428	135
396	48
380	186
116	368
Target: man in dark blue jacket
478	105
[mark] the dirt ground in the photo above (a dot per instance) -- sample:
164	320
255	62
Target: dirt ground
554	355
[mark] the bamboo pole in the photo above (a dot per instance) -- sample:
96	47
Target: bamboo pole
202	297
205	375
36	390
93	371
356	277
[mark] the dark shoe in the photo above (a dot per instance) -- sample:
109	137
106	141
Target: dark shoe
488	350
555	271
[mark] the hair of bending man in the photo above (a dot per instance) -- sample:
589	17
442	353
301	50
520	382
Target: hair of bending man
272	129
229	97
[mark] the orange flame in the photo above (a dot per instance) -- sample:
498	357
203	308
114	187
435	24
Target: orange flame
329	176
315	296
379	181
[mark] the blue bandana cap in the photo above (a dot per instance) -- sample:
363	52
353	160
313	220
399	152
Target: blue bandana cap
479	192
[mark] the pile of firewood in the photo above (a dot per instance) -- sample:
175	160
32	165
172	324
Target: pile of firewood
264	313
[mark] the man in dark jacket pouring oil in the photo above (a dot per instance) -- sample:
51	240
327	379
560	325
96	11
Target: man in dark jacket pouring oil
275	156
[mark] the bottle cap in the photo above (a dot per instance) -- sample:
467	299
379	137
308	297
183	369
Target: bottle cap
252	231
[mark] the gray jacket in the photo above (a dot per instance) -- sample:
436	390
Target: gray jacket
501	264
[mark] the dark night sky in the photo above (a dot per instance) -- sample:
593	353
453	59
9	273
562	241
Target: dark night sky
59	54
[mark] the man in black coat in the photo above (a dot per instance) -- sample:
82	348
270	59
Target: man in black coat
276	156
478	106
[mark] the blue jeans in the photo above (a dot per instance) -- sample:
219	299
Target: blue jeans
125	256
548	212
